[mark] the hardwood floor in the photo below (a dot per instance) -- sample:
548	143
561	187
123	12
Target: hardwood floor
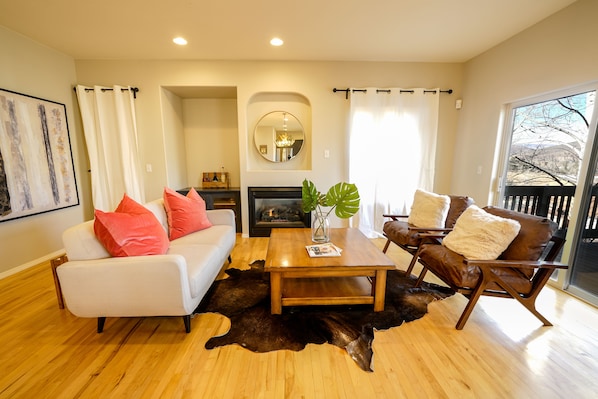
503	352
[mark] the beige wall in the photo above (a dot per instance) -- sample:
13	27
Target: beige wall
555	54
28	68
211	138
312	80
173	122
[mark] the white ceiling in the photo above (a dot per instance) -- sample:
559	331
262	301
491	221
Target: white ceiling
326	30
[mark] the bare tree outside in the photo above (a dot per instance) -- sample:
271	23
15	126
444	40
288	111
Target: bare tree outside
548	141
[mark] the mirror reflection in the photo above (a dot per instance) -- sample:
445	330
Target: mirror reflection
278	136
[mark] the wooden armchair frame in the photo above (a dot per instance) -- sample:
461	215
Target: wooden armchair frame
420	231
542	270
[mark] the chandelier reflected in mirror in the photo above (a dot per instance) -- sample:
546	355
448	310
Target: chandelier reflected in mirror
284	140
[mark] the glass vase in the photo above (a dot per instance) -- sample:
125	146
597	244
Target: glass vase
320	229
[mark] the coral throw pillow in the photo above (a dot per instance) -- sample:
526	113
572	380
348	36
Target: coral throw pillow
185	214
429	209
479	235
131	230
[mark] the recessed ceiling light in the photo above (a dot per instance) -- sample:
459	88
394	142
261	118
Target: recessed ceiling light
180	41
276	41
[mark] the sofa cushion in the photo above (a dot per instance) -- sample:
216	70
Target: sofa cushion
203	265
429	209
534	236
157	208
219	235
185	214
480	235
131	230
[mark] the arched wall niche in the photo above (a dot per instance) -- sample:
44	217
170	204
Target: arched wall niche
263	103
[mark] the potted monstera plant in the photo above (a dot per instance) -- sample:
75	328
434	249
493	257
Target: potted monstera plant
343	198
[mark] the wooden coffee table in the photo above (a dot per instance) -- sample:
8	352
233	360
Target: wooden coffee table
358	276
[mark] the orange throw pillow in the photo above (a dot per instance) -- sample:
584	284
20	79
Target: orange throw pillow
185	214
131	230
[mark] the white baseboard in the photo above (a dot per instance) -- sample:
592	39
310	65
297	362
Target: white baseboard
34	262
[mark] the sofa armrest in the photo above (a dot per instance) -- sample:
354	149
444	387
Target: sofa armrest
222	216
125	286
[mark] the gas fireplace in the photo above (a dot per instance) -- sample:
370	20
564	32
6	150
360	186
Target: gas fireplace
275	207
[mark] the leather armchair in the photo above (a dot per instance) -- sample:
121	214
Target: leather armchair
520	272
409	237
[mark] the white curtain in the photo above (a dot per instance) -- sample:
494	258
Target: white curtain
110	130
392	149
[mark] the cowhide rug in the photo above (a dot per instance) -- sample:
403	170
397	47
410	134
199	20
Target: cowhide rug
244	297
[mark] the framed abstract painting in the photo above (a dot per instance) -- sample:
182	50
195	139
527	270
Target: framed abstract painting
37	173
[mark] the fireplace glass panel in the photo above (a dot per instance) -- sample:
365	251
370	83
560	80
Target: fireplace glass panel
273	211
275	207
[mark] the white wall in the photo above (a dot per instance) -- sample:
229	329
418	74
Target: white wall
29	68
556	53
313	80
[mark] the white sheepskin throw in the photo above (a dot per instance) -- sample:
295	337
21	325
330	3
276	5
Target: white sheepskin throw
479	235
429	209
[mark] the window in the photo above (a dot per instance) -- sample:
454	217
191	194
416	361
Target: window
551	165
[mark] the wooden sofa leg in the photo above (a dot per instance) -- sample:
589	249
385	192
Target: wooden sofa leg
187	321
386	246
101	321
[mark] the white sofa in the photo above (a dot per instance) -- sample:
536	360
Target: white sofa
94	284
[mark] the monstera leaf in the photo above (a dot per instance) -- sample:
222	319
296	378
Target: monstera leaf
342	197
310	196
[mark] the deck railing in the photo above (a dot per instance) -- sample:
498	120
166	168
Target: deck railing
553	202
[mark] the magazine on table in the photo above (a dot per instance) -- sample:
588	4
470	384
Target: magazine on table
322	250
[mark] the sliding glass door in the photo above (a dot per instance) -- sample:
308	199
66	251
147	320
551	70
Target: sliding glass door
583	277
550	170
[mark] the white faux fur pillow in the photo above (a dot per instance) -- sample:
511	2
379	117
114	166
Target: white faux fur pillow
480	235
429	209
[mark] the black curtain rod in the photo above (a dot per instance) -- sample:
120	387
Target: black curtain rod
134	89
347	91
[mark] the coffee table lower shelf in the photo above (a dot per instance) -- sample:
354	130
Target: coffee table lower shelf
354	290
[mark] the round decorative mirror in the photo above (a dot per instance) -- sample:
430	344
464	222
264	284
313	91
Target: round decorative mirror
278	136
